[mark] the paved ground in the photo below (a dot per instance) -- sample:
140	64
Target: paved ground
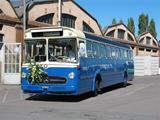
138	101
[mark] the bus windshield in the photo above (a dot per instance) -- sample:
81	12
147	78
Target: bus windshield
35	49
62	50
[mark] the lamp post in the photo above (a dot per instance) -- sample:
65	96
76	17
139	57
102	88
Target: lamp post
24	17
59	12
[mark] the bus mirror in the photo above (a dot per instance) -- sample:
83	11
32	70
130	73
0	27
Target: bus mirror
82	49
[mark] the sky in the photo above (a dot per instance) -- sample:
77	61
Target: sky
105	10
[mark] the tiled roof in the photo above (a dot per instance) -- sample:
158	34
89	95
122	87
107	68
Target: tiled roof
7	18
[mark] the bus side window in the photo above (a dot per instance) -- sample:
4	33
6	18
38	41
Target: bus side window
98	50
131	53
89	49
82	49
95	50
119	51
125	54
102	51
108	51
113	52
122	53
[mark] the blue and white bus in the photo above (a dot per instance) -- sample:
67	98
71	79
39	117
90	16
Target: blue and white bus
95	63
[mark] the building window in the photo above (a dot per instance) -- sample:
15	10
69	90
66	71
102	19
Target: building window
154	51
1	26
1	38
130	38
141	49
87	28
132	48
148	50
1	11
68	20
148	40
121	34
111	33
46	18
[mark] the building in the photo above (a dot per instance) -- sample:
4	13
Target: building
148	45
11	34
121	33
144	45
73	15
10	24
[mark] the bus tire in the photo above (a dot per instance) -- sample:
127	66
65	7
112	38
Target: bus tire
124	84
97	86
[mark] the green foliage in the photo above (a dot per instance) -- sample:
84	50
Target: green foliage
121	21
36	74
152	28
131	25
143	23
114	21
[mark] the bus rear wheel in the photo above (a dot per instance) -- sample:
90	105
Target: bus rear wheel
124	84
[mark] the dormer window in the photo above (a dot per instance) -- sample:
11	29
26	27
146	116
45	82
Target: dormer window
68	20
148	40
121	33
87	28
46	18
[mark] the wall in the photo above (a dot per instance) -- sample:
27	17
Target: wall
9	34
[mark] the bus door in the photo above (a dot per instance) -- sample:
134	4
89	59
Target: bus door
86	72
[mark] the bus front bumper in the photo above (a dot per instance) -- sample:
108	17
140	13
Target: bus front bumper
50	89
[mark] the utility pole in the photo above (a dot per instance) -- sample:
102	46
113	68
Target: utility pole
59	12
24	17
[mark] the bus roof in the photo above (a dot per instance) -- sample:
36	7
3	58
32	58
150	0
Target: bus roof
75	33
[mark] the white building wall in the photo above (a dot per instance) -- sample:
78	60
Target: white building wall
146	65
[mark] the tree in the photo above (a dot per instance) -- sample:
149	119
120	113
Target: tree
131	25
114	21
152	28
143	23
121	21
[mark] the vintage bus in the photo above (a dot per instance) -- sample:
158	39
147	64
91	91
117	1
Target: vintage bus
95	62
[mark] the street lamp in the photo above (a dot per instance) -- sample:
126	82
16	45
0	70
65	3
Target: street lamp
59	11
24	17
25	6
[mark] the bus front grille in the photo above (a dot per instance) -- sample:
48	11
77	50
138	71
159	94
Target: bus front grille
55	80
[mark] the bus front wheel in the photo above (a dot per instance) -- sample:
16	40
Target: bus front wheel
97	88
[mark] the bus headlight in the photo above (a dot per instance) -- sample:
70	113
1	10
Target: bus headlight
71	75
23	75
